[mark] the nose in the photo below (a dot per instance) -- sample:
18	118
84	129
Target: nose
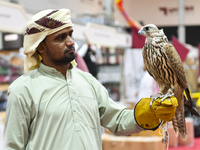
70	41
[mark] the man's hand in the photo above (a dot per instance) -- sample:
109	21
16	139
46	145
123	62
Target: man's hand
149	117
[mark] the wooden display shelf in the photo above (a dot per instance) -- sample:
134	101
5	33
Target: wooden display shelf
14	61
112	142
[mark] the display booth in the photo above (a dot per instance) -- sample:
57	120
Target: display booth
107	45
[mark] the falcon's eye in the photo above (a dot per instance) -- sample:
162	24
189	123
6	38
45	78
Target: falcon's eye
146	28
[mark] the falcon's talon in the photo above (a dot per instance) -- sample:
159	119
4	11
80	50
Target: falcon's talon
152	96
155	97
169	99
166	96
152	102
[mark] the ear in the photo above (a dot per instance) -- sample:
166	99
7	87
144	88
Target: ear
41	47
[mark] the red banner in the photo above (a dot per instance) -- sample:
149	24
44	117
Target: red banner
180	48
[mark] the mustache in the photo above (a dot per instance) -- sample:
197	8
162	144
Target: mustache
70	48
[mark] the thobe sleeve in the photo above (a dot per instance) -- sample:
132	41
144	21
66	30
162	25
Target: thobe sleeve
118	119
17	122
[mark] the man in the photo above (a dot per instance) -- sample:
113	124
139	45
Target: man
55	106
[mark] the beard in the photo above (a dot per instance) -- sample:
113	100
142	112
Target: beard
66	59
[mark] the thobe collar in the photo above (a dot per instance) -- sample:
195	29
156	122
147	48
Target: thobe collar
53	72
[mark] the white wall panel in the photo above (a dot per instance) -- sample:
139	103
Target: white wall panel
149	11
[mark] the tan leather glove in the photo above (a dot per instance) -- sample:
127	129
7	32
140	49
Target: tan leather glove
150	118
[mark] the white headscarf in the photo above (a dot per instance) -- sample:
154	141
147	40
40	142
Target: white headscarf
39	26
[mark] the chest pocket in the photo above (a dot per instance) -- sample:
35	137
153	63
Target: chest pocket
89	113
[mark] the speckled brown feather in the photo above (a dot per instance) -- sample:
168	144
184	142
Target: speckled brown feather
176	64
164	64
179	87
164	67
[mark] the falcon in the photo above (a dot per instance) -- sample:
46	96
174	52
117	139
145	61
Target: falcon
164	64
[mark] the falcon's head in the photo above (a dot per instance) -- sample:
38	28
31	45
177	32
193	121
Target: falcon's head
149	30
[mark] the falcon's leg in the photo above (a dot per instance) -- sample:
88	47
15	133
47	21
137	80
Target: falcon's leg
160	95
169	94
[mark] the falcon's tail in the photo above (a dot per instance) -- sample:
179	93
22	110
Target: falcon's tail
175	125
192	110
179	118
188	103
179	124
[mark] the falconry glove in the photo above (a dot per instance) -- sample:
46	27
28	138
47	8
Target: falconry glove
149	117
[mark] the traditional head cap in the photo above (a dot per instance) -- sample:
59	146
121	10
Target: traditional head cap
39	26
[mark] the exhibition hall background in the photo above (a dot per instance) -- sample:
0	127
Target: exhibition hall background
105	32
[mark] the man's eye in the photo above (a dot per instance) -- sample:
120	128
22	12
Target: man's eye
61	38
71	35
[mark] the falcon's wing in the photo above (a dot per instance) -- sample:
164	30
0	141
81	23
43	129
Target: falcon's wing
145	59
175	61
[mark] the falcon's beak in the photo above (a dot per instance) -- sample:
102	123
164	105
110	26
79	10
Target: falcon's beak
141	32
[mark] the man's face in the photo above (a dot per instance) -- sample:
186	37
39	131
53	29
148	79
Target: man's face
60	48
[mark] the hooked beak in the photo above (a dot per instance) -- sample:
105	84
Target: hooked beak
141	32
